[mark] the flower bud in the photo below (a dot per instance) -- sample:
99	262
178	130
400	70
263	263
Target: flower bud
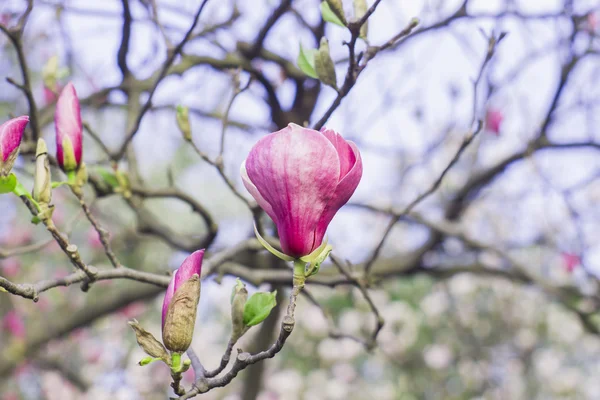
493	121
183	122
337	8
11	133
69	130
324	66
178	329
239	296
180	303
50	72
149	343
360	9
42	183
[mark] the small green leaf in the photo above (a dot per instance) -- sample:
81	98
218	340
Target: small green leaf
258	307
108	177
306	61
329	15
8	184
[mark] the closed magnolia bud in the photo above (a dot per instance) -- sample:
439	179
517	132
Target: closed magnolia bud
183	122
69	130
42	184
338	9
360	9
11	133
324	66
178	329
238	300
50	72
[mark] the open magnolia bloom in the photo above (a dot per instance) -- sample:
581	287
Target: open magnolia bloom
301	178
11	133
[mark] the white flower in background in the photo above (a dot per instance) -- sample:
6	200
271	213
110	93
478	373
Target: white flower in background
566	381
344	372
336	390
462	285
351	321
526	339
438	356
313	320
435	304
547	362
287	384
563	326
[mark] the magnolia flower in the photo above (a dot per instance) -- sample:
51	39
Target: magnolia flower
69	130
301	178
570	261
11	133
180	304
493	121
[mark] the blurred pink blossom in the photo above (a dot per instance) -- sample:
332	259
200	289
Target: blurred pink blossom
592	22
14	324
493	121
10	267
570	261
93	239
50	95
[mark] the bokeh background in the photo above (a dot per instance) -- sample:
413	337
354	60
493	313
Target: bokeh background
488	287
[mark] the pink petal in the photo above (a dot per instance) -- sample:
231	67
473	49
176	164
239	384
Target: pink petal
11	133
344	190
256	194
493	121
346	153
67	119
168	297
190	266
296	171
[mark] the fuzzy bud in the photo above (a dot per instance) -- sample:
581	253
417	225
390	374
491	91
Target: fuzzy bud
239	296
42	183
360	9
324	66
183	122
178	328
337	8
149	343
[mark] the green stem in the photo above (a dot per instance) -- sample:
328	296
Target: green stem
20	190
299	273
175	361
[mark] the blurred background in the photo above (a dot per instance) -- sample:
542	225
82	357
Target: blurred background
487	287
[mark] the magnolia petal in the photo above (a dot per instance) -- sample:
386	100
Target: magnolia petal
250	187
344	190
345	151
11	133
67	119
190	266
296	170
168	297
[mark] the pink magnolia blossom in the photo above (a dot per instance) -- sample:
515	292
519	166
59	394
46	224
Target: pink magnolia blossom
190	266
570	261
301	178
14	324
11	133
69	130
10	267
592	22
49	95
493	121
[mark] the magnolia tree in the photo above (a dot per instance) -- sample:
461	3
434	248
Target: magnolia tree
380	199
